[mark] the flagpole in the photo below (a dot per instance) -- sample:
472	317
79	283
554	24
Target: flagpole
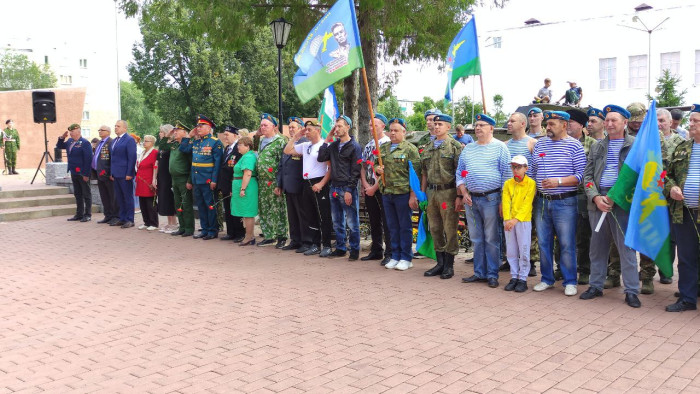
471	121
371	117
483	96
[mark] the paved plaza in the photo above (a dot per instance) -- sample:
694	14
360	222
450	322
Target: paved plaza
92	308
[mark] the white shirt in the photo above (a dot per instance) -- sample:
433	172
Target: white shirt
311	166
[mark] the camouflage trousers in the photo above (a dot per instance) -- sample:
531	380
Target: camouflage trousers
11	154
443	220
647	267
273	212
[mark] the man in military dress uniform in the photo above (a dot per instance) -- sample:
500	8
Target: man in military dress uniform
79	152
180	165
273	215
101	170
207	152
438	165
10	142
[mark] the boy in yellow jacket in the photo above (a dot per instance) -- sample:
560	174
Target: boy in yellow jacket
517	196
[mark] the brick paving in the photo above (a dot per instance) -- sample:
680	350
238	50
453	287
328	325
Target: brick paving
91	308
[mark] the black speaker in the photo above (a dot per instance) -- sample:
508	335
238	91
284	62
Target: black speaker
44	106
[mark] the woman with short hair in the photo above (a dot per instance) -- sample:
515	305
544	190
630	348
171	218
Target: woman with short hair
146	166
244	191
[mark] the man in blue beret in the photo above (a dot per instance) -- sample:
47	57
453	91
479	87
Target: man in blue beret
438	165
558	161
373	196
273	213
535	119
604	163
596	124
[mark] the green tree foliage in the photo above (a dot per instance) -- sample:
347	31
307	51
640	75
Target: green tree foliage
17	72
666	86
462	111
499	116
140	118
390	107
182	76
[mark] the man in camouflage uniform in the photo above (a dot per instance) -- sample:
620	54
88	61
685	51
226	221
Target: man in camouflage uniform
10	142
273	212
438	165
180	165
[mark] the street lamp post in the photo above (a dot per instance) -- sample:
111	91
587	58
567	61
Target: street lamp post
646	30
280	33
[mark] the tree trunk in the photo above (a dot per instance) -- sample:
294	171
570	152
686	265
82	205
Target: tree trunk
369	51
350	97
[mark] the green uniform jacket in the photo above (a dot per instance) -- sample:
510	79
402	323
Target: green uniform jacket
10	134
396	167
439	164
180	164
269	160
676	173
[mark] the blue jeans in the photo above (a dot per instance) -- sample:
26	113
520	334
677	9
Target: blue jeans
345	214
398	220
484	224
557	217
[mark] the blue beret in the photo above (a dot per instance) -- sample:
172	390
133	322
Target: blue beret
201	119
614	108
442	118
537	110
695	108
556	115
295	119
231	129
399	121
269	117
346	119
595	112
486	118
381	117
433	111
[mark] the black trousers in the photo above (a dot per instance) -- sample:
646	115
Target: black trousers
149	213
378	228
83	196
298	222
317	207
109	202
234	224
688	255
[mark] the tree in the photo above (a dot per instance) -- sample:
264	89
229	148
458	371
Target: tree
499	116
464	111
140	118
666	88
17	72
390	107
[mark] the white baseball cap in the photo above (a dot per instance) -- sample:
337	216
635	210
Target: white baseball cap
519	159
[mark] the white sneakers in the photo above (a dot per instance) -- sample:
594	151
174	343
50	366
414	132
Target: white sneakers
542	286
391	264
570	290
143	226
403	265
151	228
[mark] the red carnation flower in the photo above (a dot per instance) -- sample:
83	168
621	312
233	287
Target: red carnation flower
335	194
179	209
663	174
444	205
420	150
77	169
269	183
375	152
589	184
359	161
306	175
269	169
211	207
464	173
369	163
208	180
102	172
543	154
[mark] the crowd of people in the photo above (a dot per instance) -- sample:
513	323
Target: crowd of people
304	188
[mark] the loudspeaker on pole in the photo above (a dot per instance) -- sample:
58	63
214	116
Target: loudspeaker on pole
44	106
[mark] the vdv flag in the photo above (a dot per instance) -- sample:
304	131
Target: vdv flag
424	241
639	190
329	111
463	56
330	52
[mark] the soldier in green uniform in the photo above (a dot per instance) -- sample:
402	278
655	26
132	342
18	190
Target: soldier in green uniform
180	164
207	152
438	165
10	142
273	210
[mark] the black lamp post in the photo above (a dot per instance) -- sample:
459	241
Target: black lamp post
280	33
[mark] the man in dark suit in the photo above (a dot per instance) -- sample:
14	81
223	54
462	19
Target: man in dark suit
79	152
123	169
234	224
101	171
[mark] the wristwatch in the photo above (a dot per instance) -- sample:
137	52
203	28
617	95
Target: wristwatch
559	181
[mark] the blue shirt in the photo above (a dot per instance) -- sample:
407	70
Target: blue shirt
691	189
520	147
612	163
488	166
465	139
557	159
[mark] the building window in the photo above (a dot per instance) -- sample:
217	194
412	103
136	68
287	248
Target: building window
85	132
83	63
697	67
671	61
606	74
86	115
497	42
638	71
66	79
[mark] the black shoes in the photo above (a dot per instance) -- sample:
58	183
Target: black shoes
533	270
311	250
681	306
632	300
226	238
385	260
86	219
210	236
238	239
280	243
505	267
75	218
178	232
266	242
437	270
200	235
493	283
105	220
511	285
303	248
521	286
354	255
591	293
448	269
338	253
128	225
325	251
373	255
116	223
665	280
474	279
291	246
469	260
186	234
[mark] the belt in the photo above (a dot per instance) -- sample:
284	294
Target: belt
202	164
559	196
484	194
237	178
445	186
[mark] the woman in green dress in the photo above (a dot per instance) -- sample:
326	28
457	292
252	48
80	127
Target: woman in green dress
244	195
